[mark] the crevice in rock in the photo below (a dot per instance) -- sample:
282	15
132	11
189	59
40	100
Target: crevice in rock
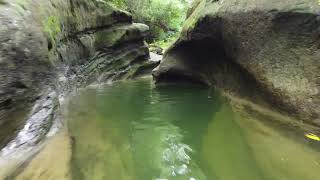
19	85
94	30
6	103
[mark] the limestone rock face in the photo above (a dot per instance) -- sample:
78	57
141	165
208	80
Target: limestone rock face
48	48
267	51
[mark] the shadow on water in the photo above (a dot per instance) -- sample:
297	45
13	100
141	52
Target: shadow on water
133	131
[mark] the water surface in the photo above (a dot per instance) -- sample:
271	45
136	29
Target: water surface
133	131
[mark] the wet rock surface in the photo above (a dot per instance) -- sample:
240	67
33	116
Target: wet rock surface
50	48
265	51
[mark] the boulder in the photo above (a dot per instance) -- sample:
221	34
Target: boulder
266	51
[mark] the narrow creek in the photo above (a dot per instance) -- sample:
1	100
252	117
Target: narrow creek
134	131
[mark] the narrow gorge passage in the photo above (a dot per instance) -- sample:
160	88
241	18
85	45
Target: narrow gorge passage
159	90
134	131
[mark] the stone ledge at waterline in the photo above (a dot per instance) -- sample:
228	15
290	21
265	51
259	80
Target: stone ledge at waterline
48	48
267	51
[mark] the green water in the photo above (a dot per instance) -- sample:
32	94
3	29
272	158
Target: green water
133	131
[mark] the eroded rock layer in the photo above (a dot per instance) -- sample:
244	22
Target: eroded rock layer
266	51
49	48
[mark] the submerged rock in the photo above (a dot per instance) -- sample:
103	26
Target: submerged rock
266	51
49	48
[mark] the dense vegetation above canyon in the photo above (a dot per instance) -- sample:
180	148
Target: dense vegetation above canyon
164	17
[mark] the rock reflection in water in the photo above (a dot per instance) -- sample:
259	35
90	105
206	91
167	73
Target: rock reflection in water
132	131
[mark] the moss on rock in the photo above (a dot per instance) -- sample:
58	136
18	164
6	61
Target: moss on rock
52	27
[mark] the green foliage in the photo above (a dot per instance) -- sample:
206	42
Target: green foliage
164	17
2	2
118	3
52	28
165	43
